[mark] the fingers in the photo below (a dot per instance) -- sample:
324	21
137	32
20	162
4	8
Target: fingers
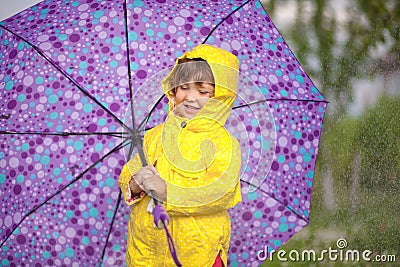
142	173
156	184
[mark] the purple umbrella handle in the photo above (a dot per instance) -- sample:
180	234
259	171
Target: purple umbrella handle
161	220
160	216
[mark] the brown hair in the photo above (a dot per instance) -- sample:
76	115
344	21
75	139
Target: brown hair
190	70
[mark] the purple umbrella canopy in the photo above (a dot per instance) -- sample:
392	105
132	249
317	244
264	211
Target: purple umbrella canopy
80	79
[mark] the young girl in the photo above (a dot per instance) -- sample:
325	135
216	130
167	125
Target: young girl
194	166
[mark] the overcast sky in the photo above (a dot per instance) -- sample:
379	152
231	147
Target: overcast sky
11	7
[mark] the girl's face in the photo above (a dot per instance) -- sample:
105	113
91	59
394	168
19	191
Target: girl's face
190	98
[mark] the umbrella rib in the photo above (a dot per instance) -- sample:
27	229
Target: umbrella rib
83	90
278	99
280	202
116	209
114	134
216	26
121	145
151	111
129	63
111	226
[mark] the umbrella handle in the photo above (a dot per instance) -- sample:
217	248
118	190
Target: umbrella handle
160	216
161	220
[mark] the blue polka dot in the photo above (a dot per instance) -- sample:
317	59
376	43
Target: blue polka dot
277	243
20	179
109	214
257	214
297	135
281	158
117	41
252	196
54	115
85	183
132	36
69	214
2	178
149	32
98	14
134	66
5	262
39	80
44	11
45	160
163	25
69	252
53	99
102	121
21	46
254	122
116	248
110	182
9	85
83	65
114	64
85	240
299	78
138	3
25	147
87	107
93	212
284	93
46	254
78	145
98	147
307	157
63	37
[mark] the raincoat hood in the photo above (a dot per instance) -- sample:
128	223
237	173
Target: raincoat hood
225	69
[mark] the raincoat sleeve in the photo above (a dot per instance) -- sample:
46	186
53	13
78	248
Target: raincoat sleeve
222	193
151	150
129	169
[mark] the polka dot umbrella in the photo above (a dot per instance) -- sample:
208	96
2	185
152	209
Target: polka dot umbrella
71	74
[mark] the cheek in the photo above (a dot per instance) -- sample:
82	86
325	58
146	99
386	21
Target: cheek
202	101
178	99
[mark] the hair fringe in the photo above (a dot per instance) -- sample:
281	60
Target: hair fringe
190	70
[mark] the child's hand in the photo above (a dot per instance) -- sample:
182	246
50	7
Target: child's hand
135	188
143	173
148	179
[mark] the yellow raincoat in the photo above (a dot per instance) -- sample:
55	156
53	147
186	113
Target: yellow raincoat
200	162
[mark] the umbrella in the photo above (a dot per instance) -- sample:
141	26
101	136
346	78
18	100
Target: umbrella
70	71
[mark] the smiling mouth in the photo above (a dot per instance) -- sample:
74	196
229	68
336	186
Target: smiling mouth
191	108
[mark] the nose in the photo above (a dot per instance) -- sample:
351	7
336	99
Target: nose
191	95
